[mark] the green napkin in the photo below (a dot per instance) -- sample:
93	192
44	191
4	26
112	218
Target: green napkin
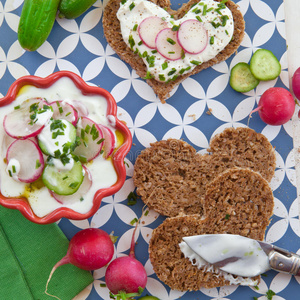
28	252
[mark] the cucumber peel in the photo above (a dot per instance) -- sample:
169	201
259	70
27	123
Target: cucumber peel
72	9
36	21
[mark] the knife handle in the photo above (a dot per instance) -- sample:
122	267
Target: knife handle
284	261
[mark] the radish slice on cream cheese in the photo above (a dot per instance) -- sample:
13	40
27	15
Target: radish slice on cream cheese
167	44
65	111
27	119
25	161
91	139
149	28
192	36
109	142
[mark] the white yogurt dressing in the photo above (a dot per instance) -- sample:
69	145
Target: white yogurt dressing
102	171
211	249
220	31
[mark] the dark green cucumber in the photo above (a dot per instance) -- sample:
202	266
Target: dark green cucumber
36	21
72	9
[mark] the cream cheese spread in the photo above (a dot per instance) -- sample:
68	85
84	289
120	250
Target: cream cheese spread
226	253
102	170
215	16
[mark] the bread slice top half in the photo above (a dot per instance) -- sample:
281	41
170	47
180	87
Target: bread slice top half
112	32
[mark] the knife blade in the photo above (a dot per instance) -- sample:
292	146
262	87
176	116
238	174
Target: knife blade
243	256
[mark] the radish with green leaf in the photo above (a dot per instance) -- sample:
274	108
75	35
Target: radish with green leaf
125	276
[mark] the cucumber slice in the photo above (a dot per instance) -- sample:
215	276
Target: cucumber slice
55	136
241	78
61	180
264	65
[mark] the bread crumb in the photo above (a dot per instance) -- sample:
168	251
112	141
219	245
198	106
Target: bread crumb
209	112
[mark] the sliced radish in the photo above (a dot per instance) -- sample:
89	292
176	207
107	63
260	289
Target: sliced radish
25	160
80	193
167	44
65	111
91	139
28	119
81	108
192	36
149	28
109	142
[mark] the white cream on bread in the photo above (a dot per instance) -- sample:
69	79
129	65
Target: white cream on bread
215	16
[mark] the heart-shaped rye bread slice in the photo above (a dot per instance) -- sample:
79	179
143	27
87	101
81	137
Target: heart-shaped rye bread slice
166	46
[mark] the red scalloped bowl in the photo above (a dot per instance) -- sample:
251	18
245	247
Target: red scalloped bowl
118	157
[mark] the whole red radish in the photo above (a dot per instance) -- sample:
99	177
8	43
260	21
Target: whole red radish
126	274
296	83
276	106
89	249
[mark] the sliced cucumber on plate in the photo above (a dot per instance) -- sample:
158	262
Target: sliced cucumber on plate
61	179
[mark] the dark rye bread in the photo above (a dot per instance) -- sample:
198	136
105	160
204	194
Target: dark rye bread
251	149
112	32
171	177
238	201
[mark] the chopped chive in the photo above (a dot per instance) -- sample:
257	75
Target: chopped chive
37	164
146	213
123	1
64	178
132	199
131	6
154	51
211	40
148	75
87	128
81	199
73	185
68	113
133	221
131	41
161	77
171	52
175	27
100	141
227	217
60	109
10	174
195	62
17	107
164	65
13	168
172	72
172	42
135	27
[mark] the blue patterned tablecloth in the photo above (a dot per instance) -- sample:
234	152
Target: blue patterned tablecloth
79	46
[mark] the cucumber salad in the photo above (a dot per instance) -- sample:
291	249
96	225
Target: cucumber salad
56	147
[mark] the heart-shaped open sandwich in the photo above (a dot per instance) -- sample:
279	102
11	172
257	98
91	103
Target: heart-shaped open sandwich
166	46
